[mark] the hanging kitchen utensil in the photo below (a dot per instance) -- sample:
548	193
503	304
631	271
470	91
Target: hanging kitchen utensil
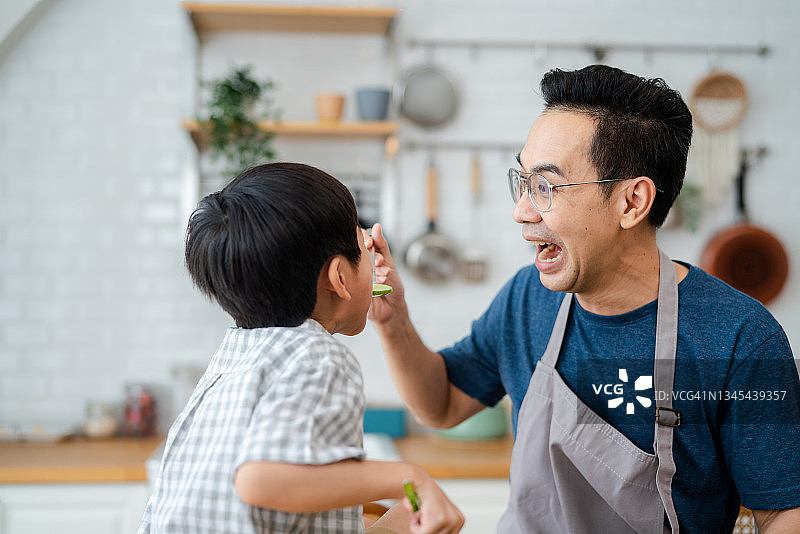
474	261
432	257
745	256
390	195
426	96
718	104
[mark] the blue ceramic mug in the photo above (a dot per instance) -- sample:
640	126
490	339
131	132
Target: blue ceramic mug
372	103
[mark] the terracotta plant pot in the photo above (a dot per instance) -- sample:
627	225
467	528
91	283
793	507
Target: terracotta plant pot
329	106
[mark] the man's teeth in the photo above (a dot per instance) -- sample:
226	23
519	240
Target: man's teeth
547	248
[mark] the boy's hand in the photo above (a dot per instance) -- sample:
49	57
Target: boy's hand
386	307
437	515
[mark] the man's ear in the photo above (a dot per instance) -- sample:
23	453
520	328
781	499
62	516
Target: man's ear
639	196
334	277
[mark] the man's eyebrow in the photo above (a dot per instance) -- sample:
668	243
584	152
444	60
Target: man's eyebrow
547	167
542	167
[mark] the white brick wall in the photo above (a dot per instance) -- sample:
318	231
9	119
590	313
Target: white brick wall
93	167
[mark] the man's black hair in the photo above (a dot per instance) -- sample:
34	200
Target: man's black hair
644	128
258	246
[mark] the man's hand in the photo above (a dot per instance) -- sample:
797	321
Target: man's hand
387	307
418	373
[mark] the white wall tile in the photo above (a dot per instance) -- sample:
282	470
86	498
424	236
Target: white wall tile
10	362
23	385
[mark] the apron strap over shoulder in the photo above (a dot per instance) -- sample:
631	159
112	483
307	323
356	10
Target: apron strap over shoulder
550	356
667	418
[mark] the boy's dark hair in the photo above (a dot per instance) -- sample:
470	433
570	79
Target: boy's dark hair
644	128
258	246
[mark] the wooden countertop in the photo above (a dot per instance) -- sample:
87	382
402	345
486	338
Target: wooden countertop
77	460
445	458
123	459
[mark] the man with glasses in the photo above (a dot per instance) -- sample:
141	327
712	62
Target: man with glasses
647	396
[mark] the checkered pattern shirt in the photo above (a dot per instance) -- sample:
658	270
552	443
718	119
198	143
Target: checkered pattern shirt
292	395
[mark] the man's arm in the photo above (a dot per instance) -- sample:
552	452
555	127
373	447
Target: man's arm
312	488
418	373
778	521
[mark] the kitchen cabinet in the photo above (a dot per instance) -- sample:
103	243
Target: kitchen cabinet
229	17
75	486
102	508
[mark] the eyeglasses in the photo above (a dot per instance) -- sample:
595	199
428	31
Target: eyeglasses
540	190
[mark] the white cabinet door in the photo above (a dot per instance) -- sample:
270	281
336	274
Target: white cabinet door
72	508
482	501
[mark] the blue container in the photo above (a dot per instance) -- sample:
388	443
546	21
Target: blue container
372	103
385	421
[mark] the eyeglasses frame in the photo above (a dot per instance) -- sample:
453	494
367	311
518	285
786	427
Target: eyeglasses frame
524	179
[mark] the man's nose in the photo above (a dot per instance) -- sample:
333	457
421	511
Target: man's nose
524	210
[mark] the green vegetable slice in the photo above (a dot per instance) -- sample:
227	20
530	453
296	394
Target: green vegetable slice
411	493
380	289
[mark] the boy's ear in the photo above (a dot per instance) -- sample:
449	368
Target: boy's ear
335	277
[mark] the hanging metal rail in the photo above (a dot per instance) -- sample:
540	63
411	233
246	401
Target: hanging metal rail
509	147
598	49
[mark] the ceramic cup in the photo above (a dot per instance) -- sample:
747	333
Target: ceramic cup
372	103
329	106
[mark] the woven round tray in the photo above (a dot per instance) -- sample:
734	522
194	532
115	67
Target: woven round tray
718	102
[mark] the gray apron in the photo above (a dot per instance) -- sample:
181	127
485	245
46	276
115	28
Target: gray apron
573	472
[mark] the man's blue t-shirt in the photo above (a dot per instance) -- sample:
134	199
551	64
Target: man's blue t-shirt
736	386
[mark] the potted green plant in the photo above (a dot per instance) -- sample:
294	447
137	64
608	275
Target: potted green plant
691	206
687	209
234	135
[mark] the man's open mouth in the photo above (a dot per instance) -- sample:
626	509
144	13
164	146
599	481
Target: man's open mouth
547	252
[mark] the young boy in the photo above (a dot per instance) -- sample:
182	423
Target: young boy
271	438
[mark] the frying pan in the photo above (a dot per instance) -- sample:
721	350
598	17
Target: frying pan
432	256
745	256
426	96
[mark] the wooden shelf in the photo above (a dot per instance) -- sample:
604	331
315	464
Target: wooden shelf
212	17
308	129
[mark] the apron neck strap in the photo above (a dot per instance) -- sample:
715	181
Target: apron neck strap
550	356
666	327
